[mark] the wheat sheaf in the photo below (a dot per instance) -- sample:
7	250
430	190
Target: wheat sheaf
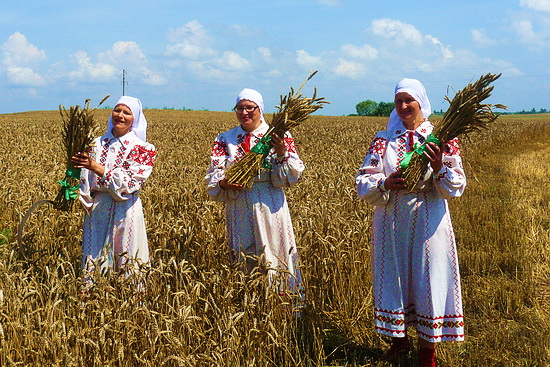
293	109
466	113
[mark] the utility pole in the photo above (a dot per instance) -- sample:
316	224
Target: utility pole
124	82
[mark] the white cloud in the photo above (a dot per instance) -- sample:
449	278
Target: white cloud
191	33
400	32
480	39
23	76
445	51
227	67
532	30
204	70
402	48
350	69
305	59
20	58
505	67
541	5
191	42
89	72
199	59
149	77
189	51
365	52
123	54
265	54
17	51
524	28
232	61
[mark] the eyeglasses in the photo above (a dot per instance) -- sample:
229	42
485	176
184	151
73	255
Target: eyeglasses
247	109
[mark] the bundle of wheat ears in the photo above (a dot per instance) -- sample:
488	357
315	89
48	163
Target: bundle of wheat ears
293	109
466	113
78	134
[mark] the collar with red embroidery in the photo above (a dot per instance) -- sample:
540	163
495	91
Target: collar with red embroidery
424	130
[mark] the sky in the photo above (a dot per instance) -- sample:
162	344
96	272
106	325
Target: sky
199	54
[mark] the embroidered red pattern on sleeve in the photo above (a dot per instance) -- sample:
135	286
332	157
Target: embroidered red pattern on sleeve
289	144
219	149
143	156
377	146
452	147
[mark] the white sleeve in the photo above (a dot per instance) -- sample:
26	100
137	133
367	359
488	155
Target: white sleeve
287	170
450	181
219	159
128	177
370	179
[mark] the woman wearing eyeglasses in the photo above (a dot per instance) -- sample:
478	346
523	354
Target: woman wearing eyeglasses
257	219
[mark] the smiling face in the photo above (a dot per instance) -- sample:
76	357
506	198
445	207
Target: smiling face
409	110
248	114
122	119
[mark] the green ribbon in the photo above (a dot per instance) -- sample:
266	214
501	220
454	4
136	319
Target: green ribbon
418	149
263	147
70	192
73	172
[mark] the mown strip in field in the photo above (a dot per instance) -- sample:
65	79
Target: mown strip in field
503	235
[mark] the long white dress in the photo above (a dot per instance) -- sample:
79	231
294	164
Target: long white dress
257	219
114	226
416	278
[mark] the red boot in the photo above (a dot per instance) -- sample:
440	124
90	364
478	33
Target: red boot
398	348
427	357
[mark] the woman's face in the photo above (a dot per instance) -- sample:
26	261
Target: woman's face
409	110
122	119
248	115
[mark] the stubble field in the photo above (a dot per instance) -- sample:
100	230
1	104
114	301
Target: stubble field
201	311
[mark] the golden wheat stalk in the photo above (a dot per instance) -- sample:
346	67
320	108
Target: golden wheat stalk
293	109
78	134
466	113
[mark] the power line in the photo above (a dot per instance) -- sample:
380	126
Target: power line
124	82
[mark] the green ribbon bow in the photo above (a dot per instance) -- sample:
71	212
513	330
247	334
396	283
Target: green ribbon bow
70	192
263	147
418	149
73	172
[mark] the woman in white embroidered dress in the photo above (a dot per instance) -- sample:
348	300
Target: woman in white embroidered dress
257	219
415	267
112	175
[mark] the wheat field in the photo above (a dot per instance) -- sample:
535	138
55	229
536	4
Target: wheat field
199	310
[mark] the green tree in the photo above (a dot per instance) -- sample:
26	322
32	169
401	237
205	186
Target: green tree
384	108
372	108
366	108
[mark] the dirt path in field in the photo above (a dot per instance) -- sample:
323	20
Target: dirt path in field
530	169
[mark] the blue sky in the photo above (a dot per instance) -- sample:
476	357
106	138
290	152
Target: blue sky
199	54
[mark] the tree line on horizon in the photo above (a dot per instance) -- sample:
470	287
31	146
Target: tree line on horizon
373	108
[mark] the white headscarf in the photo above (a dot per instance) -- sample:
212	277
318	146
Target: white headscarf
253	96
139	126
416	90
